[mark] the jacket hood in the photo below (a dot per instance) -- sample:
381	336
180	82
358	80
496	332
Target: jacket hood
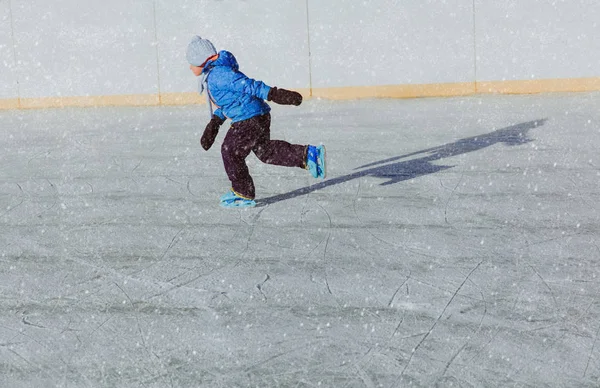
225	59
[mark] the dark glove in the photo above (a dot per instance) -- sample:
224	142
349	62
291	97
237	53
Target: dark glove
284	97
210	132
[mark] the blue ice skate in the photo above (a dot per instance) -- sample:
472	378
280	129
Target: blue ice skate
232	199
315	161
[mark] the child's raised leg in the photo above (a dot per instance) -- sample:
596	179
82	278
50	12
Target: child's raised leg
282	153
276	152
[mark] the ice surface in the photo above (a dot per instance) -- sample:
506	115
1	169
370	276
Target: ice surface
455	242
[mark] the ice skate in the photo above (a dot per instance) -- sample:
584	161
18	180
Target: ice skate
232	199
315	161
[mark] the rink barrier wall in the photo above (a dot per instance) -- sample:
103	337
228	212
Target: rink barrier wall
117	53
339	93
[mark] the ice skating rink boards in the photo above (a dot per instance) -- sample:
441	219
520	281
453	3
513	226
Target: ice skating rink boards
133	53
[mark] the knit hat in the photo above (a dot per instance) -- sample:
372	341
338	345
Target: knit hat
199	50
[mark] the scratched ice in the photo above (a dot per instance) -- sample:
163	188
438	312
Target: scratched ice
455	242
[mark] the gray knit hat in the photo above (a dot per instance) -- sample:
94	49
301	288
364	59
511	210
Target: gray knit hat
199	50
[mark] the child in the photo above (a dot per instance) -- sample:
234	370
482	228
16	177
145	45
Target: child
242	100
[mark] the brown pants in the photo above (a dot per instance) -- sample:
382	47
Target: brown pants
254	135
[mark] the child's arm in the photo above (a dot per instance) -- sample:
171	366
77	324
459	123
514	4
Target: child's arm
211	131
284	97
242	83
219	113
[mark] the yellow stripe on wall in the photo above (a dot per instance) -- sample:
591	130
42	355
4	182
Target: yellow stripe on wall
87	101
189	98
396	91
540	86
338	93
9	103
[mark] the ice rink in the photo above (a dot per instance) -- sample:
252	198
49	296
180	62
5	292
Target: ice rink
454	243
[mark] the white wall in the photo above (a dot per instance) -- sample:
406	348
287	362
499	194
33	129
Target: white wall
78	48
137	47
8	75
268	38
536	39
389	42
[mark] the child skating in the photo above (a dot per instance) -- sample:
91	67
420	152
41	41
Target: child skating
242	100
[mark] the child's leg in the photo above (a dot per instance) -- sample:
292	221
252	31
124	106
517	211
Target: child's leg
239	141
277	152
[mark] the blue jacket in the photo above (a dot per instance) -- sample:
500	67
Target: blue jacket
235	95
